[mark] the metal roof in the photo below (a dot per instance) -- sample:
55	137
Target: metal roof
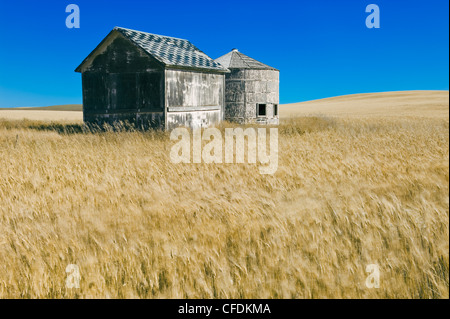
172	52
238	60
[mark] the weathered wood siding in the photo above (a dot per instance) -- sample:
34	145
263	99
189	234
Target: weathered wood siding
245	88
194	99
124	83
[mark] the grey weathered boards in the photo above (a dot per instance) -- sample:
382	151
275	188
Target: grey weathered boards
157	81
251	89
151	80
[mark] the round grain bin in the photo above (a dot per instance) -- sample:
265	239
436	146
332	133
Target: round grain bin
251	89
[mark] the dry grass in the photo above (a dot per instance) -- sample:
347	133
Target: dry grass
41	115
348	192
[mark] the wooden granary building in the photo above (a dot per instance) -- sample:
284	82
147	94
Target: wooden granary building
251	89
151	80
163	82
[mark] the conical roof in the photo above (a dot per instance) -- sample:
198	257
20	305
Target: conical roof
238	60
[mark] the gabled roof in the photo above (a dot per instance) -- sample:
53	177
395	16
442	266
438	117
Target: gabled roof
237	60
172	52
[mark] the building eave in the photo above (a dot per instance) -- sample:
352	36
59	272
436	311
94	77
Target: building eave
198	69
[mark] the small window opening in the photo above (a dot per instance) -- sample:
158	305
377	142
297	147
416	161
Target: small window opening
275	110
261	109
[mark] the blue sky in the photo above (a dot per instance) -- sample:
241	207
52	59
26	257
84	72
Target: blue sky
322	47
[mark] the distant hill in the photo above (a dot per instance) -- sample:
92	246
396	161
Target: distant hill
67	107
428	104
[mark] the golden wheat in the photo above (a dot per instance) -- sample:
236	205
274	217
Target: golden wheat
347	193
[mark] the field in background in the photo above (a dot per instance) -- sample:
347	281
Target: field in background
354	187
66	113
48	116
66	107
429	104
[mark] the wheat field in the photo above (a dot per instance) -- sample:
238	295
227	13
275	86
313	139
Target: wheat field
42	115
351	189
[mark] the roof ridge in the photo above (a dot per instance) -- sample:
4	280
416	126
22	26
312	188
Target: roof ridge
159	35
259	62
239	54
170	51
